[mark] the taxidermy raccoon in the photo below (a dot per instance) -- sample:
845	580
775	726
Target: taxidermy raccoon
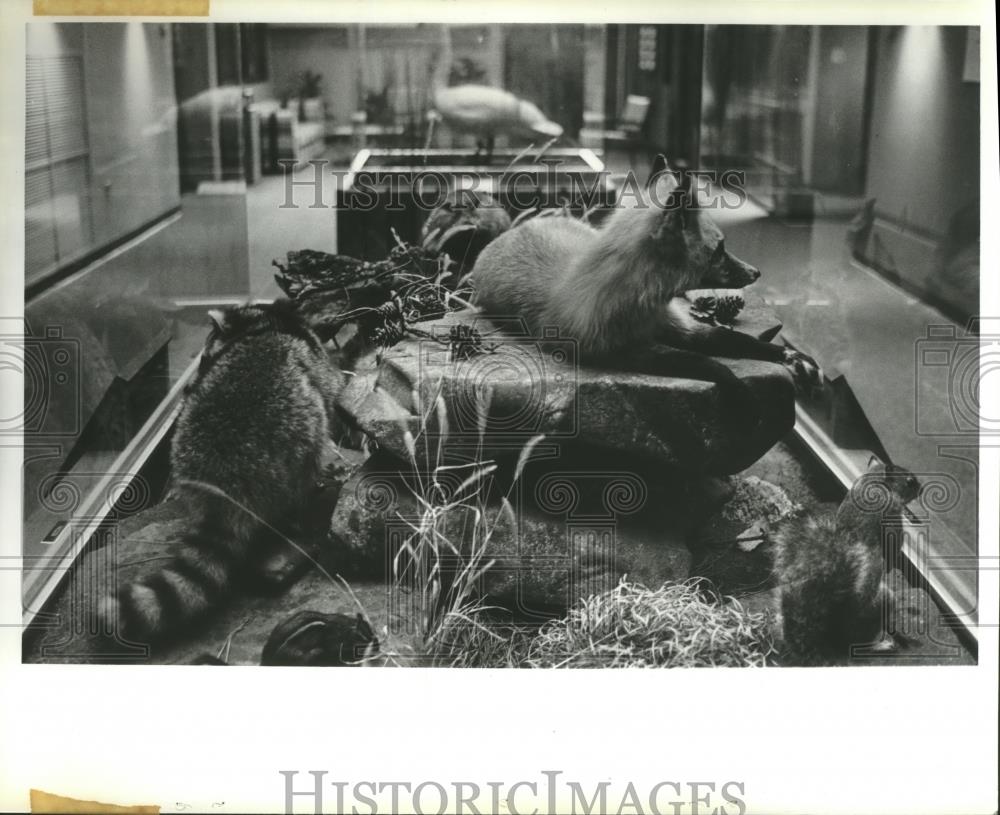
613	289
832	567
249	448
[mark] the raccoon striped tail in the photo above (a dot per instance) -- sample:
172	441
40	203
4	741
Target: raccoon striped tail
196	580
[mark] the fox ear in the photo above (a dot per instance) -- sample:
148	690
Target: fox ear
661	186
672	222
679	204
671	191
682	196
662	177
660	165
686	186
218	318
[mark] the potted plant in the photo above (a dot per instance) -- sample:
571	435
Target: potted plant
310	101
377	107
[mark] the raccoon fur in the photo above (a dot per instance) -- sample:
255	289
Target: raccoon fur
831	569
249	447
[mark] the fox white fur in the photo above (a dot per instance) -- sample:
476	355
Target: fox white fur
608	288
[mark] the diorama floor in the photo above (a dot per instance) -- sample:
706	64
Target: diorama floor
237	633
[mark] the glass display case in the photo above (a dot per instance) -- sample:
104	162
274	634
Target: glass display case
135	224
168	164
860	149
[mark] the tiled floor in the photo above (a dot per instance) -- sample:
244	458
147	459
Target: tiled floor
280	218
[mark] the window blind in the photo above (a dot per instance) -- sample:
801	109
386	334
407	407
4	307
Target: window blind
58	224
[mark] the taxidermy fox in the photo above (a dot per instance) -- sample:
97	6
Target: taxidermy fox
613	289
249	447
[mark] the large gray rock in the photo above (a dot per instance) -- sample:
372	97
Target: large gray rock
559	535
731	548
418	397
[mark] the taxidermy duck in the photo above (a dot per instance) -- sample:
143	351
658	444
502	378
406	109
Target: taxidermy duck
482	110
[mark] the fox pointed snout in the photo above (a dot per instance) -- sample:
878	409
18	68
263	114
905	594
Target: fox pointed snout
743	274
734	273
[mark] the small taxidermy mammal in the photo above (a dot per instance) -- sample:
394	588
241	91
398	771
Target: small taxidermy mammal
613	289
832	568
462	225
249	448
314	638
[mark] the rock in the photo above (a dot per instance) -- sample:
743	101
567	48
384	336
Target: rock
339	470
756	318
788	467
753	501
495	401
562	536
731	548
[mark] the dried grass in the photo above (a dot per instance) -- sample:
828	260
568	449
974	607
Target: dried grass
673	626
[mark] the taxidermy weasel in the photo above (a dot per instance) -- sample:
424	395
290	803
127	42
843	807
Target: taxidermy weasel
249	448
832	568
613	289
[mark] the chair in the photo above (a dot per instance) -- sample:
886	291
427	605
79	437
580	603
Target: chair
285	135
632	119
628	130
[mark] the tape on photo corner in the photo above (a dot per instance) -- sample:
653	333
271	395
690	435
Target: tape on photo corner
121	8
46	802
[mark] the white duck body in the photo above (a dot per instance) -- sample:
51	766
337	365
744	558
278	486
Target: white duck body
487	111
